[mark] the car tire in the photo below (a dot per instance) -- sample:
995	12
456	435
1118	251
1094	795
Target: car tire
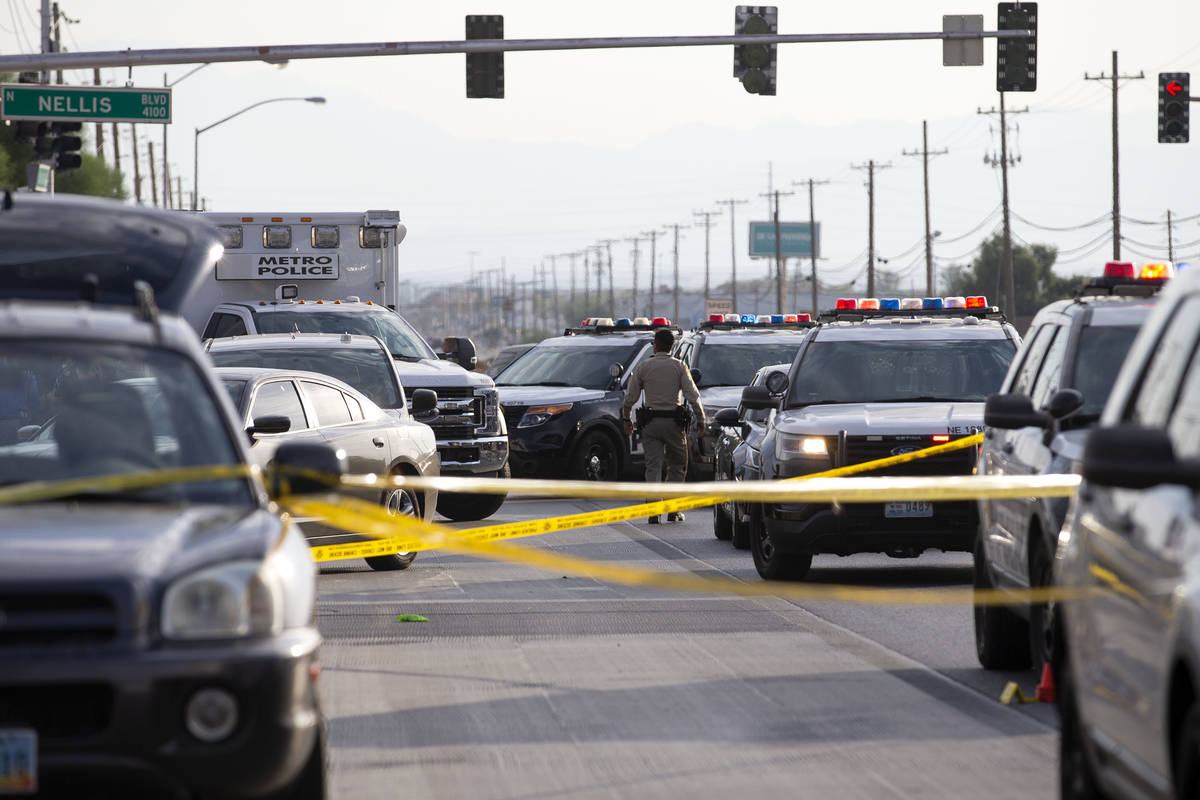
398	503
468	506
595	458
741	530
1043	638
309	784
1187	755
722	524
1076	777
770	563
1001	637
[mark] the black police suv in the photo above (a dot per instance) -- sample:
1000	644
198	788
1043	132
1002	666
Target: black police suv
723	357
562	401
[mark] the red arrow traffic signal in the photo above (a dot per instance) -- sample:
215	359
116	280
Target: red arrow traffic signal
1174	88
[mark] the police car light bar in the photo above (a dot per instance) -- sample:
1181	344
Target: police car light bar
852	310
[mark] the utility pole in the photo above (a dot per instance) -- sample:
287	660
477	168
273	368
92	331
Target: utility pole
587	283
812	234
1116	170
1170	240
558	319
137	170
780	279
153	177
870	167
599	272
635	241
675	314
612	297
1010	291
100	125
925	153
707	225
653	235
733	244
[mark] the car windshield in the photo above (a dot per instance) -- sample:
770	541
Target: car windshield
1102	348
79	410
586	367
369	371
401	340
722	364
900	370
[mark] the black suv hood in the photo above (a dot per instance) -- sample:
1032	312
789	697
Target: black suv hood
546	395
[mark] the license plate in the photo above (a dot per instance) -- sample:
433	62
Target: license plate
18	761
908	508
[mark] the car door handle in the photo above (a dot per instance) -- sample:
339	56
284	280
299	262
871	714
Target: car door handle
377	442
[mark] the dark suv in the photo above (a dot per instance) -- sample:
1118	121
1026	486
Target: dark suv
562	401
723	357
155	641
867	385
1053	393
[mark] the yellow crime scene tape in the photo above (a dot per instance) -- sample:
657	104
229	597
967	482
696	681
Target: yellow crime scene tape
391	534
370	519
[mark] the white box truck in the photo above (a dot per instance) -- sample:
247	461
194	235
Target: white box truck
335	272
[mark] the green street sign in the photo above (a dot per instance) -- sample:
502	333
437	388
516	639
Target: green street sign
48	103
796	239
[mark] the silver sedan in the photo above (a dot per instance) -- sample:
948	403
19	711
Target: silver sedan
278	406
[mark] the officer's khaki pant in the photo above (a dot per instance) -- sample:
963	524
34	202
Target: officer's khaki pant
665	443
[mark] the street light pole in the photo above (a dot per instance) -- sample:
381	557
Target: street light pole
196	141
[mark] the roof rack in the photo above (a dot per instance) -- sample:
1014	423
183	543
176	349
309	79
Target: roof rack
860	314
609	329
754	326
1133	287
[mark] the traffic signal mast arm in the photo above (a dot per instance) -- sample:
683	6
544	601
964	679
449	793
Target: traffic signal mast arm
274	54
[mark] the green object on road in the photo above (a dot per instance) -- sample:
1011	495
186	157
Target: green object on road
411	618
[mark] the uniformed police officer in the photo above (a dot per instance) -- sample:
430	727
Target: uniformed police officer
662	419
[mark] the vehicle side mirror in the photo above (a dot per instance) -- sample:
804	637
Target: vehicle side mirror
696	375
301	468
727	417
27	432
1012	411
777	383
1134	457
757	397
460	350
1064	402
271	423
424	404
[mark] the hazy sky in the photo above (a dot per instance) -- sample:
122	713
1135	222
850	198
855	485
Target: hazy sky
593	145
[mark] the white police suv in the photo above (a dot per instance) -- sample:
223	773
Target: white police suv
879	377
1128	674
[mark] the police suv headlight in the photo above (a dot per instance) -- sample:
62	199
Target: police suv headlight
539	415
789	445
240	598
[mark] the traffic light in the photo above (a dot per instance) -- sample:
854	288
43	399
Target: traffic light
1173	102
67	143
43	140
754	64
1016	58
485	71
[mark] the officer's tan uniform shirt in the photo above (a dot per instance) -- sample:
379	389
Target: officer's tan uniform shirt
663	379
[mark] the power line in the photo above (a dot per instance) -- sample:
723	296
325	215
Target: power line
925	153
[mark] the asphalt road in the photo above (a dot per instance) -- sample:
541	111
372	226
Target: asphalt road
525	684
